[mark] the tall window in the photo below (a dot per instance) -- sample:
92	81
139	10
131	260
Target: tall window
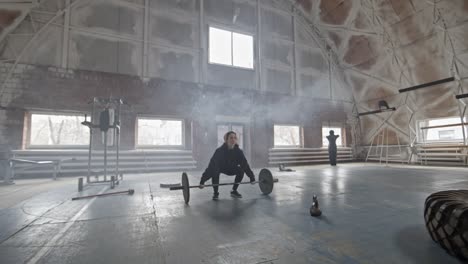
159	132
287	136
57	130
441	130
326	132
230	48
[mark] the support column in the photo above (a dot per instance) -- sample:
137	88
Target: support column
259	49
295	74
144	67
66	35
202	52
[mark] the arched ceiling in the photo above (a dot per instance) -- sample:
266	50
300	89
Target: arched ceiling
379	46
12	12
386	45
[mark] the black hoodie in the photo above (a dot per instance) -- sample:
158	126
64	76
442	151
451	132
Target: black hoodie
225	158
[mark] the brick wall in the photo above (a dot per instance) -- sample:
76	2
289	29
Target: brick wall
51	88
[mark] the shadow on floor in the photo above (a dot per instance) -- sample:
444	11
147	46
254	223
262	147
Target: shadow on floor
415	243
224	209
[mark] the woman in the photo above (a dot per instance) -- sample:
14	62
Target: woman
230	160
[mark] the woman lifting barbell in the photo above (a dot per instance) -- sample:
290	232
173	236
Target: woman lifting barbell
228	159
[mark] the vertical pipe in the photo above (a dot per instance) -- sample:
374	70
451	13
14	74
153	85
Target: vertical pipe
381	145
105	155
90	140
294	29
201	57
399	147
54	174
144	67
66	34
80	184
259	48
330	75
117	138
387	150
10	174
370	149
462	117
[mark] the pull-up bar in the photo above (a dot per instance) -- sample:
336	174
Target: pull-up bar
442	126
412	88
377	111
460	96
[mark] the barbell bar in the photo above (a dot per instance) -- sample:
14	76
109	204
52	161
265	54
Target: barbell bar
214	185
129	192
265	182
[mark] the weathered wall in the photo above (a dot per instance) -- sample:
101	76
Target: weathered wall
381	46
154	54
51	88
169	40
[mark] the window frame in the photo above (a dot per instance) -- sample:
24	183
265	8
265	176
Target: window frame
301	137
342	134
153	117
28	128
231	124
231	30
421	139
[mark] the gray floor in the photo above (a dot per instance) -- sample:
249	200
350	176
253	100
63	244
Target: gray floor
372	214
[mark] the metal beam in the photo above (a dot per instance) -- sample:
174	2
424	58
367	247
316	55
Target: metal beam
442	126
377	111
424	85
460	96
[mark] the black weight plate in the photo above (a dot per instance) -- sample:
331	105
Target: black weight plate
265	181
186	190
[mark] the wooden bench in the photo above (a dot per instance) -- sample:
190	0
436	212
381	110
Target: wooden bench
56	164
130	161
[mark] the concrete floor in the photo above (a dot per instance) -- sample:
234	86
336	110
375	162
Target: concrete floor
372	214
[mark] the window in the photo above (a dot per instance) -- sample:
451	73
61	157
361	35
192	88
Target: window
159	132
431	130
287	136
447	134
326	132
57	130
230	48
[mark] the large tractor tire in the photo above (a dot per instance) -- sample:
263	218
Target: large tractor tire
446	215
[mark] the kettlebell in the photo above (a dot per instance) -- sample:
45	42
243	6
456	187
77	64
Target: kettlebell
315	209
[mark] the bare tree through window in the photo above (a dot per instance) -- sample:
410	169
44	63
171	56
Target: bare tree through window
159	132
287	136
57	130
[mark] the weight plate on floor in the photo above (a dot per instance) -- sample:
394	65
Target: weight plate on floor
186	190
266	183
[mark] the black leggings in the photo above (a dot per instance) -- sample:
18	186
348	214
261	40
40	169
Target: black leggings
332	156
213	174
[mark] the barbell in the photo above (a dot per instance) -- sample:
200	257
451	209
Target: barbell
265	182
